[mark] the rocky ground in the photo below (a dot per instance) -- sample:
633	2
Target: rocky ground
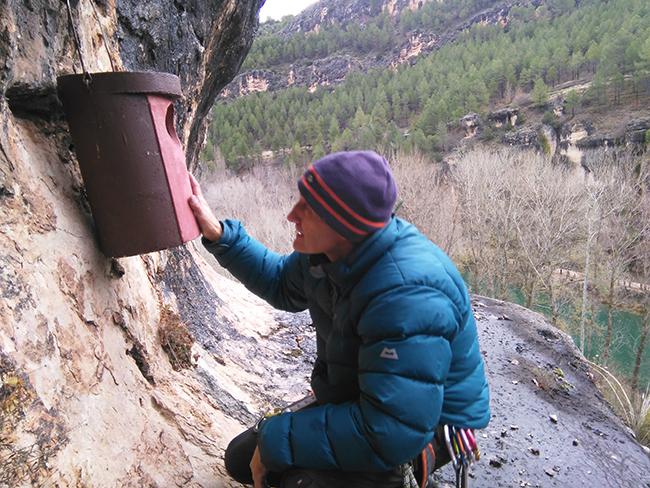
550	425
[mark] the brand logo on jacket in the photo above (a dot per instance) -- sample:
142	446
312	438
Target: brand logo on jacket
389	354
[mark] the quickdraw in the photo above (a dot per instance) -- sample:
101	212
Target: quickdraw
463	451
451	443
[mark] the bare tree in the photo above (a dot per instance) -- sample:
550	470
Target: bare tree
426	199
643	254
548	222
484	182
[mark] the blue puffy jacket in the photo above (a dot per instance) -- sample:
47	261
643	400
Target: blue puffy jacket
397	348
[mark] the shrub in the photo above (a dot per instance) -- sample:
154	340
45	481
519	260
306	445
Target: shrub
175	339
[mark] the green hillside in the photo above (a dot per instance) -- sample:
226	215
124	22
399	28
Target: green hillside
604	40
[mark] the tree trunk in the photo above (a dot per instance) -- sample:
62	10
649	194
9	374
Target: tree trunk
551	299
530	292
640	350
610	310
585	283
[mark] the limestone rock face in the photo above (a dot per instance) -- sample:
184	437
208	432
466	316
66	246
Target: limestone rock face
96	388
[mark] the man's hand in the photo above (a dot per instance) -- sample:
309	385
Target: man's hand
208	223
258	470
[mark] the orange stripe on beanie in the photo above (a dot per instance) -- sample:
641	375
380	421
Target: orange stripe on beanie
354	192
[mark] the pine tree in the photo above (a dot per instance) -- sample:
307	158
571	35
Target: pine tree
318	151
540	93
572	101
334	130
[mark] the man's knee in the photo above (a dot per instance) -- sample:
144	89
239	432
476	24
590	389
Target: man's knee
238	456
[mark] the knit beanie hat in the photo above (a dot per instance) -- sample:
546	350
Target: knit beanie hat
353	192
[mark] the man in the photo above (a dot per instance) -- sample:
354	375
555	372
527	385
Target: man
397	348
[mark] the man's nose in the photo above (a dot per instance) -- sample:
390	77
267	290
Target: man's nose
291	216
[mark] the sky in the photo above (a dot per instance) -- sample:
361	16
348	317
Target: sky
276	9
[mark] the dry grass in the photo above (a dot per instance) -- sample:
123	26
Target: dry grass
175	339
260	199
631	405
20	465
641	417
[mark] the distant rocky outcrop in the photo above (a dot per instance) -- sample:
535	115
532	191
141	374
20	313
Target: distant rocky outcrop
322	72
504	117
632	134
471	124
570	140
525	137
329	13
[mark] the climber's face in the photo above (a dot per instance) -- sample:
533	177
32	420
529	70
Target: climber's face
313	235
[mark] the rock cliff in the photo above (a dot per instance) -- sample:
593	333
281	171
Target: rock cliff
89	347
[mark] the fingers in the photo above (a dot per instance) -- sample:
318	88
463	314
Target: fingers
194	203
196	188
208	224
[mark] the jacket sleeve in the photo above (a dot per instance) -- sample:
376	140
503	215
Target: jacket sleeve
404	359
276	278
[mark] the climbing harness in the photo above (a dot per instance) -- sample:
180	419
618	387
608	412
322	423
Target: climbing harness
450	443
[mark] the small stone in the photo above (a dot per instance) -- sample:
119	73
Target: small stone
576	442
534	451
514	427
496	462
514	361
549	472
553	418
515	382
